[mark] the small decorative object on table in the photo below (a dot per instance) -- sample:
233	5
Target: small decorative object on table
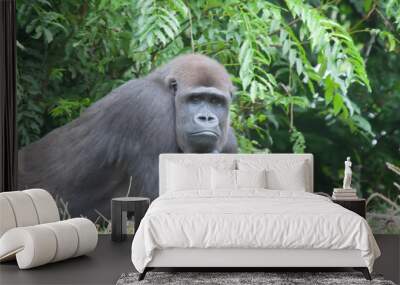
347	196
347	174
345	193
120	207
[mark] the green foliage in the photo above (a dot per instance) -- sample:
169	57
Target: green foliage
281	56
320	76
66	110
298	141
30	113
392	10
71	53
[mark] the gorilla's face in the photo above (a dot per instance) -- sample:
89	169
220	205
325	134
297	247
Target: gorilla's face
203	92
202	117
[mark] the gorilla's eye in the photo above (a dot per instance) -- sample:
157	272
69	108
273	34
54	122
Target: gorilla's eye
195	99
216	101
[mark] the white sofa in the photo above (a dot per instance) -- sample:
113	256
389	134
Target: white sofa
31	231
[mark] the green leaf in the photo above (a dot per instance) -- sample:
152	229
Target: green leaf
367	5
48	35
363	124
292	57
161	37
253	91
390	38
285	48
337	104
168	31
298	141
299	66
246	58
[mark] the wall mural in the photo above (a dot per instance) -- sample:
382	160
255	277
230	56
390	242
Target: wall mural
114	145
94	112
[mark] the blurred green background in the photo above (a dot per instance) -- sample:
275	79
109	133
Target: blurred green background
312	76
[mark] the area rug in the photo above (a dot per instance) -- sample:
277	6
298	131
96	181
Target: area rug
243	278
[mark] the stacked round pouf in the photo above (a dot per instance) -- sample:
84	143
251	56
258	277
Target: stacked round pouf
31	230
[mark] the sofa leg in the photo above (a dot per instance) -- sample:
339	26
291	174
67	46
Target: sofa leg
364	271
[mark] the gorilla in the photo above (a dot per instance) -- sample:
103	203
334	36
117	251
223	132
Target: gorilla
182	106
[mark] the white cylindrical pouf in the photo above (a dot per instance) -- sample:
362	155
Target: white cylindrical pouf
31	232
67	240
37	245
7	218
87	234
23	208
45	205
33	246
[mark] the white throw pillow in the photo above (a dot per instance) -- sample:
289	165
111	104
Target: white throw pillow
223	179
282	174
251	178
295	180
230	180
183	178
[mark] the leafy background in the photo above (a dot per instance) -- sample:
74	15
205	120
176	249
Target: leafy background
311	76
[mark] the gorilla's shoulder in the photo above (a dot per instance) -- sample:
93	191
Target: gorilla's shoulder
128	90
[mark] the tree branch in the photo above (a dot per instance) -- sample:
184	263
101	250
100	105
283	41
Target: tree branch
386	22
365	18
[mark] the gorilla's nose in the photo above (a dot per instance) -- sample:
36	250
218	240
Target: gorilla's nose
206	119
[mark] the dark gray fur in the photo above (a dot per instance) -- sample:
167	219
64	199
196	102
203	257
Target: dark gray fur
90	160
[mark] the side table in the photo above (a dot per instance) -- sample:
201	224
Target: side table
120	207
356	205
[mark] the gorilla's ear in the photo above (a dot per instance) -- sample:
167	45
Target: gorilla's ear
173	84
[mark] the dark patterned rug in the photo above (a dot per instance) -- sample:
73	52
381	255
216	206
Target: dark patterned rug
231	278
